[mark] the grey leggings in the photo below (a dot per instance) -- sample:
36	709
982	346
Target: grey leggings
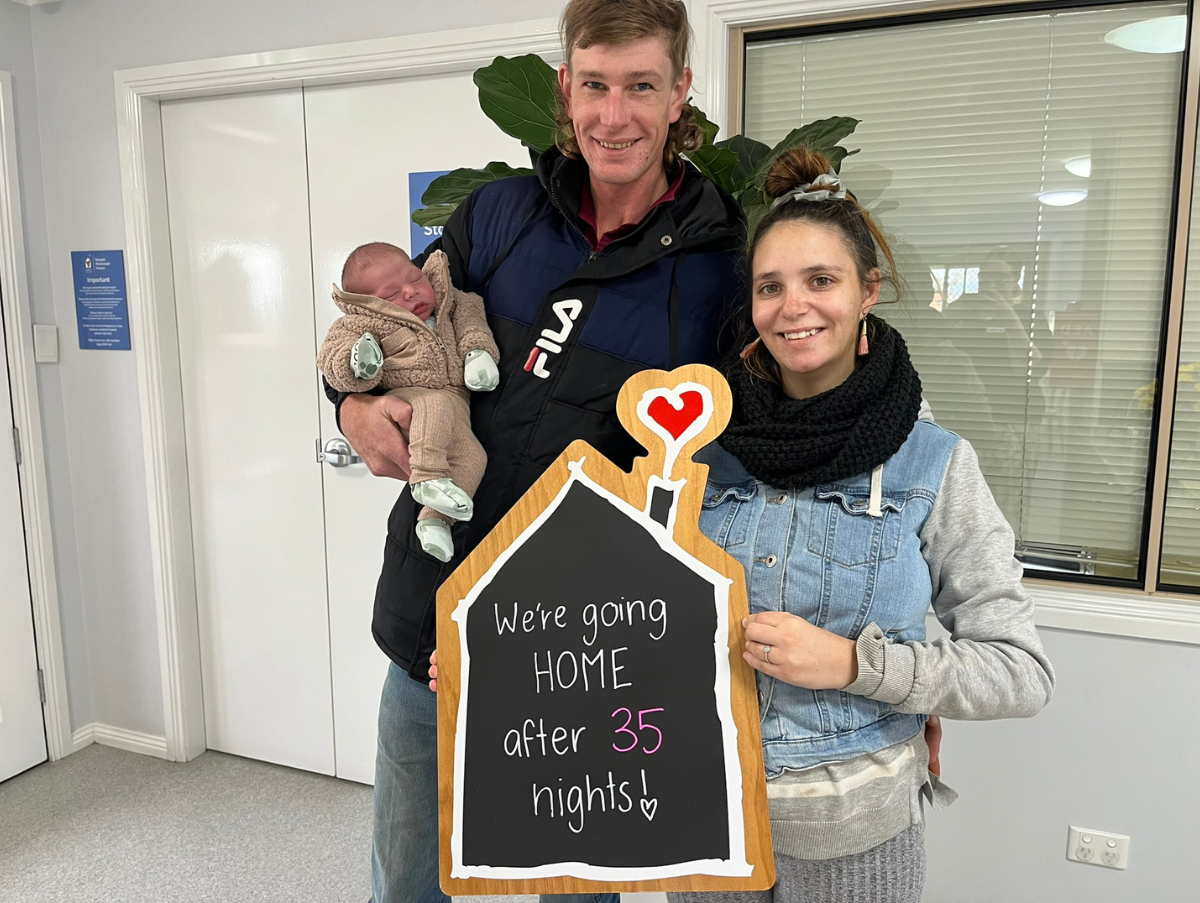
893	872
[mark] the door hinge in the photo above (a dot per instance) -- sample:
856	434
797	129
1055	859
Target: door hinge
17	444
42	684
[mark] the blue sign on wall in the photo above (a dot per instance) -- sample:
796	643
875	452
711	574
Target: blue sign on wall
100	307
421	236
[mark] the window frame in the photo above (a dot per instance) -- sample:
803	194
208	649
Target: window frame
1177	606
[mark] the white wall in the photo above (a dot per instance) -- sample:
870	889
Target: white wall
93	432
17	57
1116	749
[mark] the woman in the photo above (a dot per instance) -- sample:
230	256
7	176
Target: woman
851	513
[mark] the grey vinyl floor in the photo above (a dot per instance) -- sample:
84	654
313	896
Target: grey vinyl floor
109	825
113	826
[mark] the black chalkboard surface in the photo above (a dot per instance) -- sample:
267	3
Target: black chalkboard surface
595	731
619	761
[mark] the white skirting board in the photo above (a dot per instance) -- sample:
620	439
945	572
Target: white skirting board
118	737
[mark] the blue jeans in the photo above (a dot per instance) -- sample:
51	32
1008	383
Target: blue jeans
404	847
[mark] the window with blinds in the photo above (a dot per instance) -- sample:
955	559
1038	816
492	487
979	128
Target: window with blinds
1023	169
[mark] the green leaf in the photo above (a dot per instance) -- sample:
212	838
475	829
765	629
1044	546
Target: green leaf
750	154
837	154
754	197
433	216
754	213
821	136
710	129
718	163
453	187
519	95
447	192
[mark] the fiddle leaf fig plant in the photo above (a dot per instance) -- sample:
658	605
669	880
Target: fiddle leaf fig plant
519	94
715	161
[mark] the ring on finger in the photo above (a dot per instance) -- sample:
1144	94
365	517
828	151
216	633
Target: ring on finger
767	655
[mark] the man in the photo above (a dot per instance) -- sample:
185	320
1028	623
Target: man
624	254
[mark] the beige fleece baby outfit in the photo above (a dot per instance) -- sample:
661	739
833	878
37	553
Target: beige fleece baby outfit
422	365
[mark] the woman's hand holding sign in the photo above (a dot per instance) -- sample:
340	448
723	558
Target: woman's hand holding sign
788	647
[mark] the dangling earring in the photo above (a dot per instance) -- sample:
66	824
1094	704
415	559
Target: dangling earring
862	338
751	348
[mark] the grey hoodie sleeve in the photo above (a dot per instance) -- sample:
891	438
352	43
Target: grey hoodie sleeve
992	664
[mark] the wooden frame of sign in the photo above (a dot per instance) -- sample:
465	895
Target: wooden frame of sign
597	726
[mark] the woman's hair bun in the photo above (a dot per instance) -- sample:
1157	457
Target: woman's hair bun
795	167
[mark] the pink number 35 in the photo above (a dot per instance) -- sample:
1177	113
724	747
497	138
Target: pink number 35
643	725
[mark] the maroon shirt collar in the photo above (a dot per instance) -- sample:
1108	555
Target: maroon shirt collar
587	213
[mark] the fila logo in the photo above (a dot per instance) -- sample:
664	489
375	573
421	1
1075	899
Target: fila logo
566	311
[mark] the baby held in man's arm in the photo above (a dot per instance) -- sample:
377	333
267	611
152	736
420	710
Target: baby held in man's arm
410	332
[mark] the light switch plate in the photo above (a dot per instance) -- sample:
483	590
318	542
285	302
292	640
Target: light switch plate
45	344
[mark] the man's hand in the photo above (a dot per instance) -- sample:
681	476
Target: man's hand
433	670
373	424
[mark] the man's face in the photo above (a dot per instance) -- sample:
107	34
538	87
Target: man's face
622	99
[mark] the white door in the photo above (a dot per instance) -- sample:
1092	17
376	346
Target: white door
358	192
267	195
22	730
238	207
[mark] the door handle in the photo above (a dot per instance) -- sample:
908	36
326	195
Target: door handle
338	453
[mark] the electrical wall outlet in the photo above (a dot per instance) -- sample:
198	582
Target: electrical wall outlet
1098	847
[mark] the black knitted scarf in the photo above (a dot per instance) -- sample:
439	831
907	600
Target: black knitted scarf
795	444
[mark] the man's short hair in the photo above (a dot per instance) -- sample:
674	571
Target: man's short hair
588	22
585	23
364	256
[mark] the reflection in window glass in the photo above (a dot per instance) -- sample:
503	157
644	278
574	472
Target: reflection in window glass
954	285
964	159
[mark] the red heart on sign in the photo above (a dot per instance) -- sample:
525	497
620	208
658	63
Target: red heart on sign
676	420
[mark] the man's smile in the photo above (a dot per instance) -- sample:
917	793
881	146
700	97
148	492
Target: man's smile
617	145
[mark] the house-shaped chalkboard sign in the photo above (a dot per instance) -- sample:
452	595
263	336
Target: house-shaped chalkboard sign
597	727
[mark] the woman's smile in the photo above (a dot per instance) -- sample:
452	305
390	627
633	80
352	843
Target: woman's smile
795	336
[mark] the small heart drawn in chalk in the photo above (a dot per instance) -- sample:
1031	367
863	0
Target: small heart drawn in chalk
676	420
649	807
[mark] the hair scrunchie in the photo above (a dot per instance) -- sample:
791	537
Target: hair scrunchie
824	187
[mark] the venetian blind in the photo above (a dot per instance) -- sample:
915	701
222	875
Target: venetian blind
1033	326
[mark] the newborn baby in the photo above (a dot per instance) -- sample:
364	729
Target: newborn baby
411	332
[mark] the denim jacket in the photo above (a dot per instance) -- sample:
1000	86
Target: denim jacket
821	554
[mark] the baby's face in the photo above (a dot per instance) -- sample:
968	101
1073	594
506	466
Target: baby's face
400	281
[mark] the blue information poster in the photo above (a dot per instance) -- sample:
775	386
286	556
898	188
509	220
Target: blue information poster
421	235
100	307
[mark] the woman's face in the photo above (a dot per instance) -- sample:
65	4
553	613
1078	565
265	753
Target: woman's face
808	302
